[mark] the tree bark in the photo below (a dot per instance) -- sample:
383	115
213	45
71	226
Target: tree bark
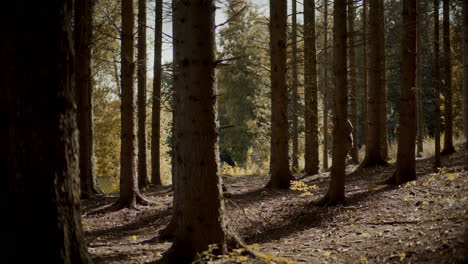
354	153
39	138
437	162
280	175
84	89
465	70
448	124
311	161
325	88
406	162
365	71
294	99
129	193
143	181
375	124
156	114
419	87
197	186
336	189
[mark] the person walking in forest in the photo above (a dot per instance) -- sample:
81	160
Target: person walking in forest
349	137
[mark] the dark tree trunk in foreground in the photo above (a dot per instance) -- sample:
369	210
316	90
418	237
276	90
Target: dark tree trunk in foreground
353	116
294	99
437	163
375	124
156	114
448	124
142	158
311	159
280	175
197	186
465	70
406	162
336	190
325	87
83	80
129	194
39	136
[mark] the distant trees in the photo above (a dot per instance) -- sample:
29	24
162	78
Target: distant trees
295	98
280	175
437	163
325	86
39	136
353	94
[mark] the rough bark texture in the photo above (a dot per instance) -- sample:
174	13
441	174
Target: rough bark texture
129	193
336	190
311	161
419	76
375	124
448	124
465	70
83	80
437	163
294	99
156	114
325	88
142	157
280	175
365	71
353	116
39	135
197	186
406	161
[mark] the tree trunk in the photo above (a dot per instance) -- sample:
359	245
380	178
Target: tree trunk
465	70
129	194
365	71
352	82
406	162
336	190
197	186
294	132
437	163
311	162
419	87
142	157
448	124
375	124
156	114
83	36
325	88
39	138
280	175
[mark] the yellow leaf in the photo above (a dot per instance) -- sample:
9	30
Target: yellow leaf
431	179
465	216
133	238
327	254
98	238
362	258
402	256
452	176
425	184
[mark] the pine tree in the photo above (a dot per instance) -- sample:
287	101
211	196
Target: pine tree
437	163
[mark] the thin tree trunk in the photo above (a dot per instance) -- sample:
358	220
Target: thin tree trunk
311	164
352	82
325	88
437	163
448	124
406	162
83	36
142	157
419	88
280	175
156	114
129	194
365	71
197	186
465	70
375	123
39	135
294	99
336	189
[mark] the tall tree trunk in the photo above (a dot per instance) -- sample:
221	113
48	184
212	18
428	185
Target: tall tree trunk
448	124
336	189
197	186
311	162
325	83
352	82
365	71
156	114
39	135
142	157
129	194
419	76
437	163
375	124
465	70
294	99
406	162
280	175
83	36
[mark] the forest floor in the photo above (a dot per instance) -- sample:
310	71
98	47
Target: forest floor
425	221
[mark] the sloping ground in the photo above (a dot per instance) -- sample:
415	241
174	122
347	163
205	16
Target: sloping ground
424	221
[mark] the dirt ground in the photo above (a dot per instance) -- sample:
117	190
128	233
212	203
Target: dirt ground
425	221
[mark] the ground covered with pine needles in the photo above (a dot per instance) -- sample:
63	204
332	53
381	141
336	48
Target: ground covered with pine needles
425	221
